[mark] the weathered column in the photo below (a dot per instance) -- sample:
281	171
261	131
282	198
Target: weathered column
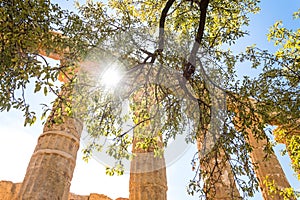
147	172
290	136
219	182
51	166
147	176
269	167
266	169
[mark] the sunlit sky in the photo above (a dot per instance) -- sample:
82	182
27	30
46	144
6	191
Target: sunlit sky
17	142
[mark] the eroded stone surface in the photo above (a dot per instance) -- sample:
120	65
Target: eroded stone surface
270	168
219	183
50	170
10	190
147	177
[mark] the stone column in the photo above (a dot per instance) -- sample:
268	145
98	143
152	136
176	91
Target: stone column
269	167
219	183
290	136
147	172
147	176
263	168
51	166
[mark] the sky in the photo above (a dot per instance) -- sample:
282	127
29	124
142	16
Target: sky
17	143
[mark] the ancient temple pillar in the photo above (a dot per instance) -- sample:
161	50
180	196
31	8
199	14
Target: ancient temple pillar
266	169
51	166
147	172
219	182
269	167
50	169
147	176
290	137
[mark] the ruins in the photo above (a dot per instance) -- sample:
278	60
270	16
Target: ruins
52	164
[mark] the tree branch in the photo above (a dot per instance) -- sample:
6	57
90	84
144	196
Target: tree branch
162	24
190	66
161	36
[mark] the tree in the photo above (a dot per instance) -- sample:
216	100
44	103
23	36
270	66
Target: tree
211	24
281	75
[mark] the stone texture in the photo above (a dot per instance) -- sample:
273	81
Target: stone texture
221	184
264	168
147	176
10	190
270	167
52	164
94	196
77	197
147	173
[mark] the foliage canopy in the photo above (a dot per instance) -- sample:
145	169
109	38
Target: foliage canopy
149	32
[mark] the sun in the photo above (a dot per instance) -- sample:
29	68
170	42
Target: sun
110	78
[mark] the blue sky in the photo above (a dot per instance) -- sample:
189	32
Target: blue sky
17	143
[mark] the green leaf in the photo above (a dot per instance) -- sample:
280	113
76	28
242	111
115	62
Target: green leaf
37	87
45	91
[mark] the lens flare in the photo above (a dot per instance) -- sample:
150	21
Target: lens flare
110	78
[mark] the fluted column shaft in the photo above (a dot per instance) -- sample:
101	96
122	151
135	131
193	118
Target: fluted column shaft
50	170
147	176
266	169
147	172
269	167
263	168
219	183
52	164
